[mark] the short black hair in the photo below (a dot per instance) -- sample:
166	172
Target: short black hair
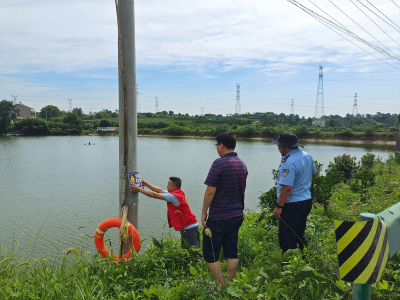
176	181
227	139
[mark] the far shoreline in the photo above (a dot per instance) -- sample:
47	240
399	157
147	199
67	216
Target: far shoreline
382	140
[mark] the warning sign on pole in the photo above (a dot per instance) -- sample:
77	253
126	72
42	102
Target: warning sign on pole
363	250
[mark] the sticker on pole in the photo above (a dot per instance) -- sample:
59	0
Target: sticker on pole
363	250
134	178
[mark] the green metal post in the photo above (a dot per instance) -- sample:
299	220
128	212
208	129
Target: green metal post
363	291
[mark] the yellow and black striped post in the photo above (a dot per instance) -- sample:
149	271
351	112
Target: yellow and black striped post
363	250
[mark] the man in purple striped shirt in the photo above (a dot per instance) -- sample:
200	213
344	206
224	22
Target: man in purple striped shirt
224	200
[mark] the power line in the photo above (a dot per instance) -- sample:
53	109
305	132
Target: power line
395	4
363	28
384	14
202	110
330	24
378	16
375	22
70	104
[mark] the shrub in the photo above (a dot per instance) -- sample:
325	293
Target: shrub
269	130
365	177
347	132
342	169
104	123
246	130
221	128
301	130
369	131
174	129
32	126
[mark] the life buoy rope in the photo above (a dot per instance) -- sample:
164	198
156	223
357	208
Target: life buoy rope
133	237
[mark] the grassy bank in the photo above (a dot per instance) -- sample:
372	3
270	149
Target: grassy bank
165	271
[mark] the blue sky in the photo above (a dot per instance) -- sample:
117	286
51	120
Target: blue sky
191	54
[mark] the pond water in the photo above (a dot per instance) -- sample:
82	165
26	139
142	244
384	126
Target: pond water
54	191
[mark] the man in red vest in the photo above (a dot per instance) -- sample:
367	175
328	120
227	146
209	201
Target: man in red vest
178	211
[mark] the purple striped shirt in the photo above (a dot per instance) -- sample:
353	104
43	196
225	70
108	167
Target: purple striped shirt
228	174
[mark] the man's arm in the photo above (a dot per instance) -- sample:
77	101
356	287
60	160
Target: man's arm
315	174
285	192
152	187
208	198
152	194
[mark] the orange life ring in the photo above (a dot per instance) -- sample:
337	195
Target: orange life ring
115	222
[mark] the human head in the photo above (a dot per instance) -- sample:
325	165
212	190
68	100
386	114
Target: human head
227	139
287	139
174	183
286	142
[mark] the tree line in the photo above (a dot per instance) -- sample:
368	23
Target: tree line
53	121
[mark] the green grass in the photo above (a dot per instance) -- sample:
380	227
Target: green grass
166	271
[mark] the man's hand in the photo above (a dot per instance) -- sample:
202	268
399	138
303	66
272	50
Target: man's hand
204	219
134	188
144	182
277	212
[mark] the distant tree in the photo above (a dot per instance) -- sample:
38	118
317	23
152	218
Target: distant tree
301	130
171	113
104	123
246	130
72	119
164	112
50	111
32	126
174	129
221	128
100	115
8	112
78	112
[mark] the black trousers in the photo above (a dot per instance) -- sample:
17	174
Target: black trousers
191	237
292	224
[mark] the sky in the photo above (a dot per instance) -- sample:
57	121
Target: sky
192	54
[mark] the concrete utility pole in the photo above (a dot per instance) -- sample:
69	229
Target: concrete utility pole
127	107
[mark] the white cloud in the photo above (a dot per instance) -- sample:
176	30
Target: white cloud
76	35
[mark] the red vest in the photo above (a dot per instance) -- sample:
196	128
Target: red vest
180	216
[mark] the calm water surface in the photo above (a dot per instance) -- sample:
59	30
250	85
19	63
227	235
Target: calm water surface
54	191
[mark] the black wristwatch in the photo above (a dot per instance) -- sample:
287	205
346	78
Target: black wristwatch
277	205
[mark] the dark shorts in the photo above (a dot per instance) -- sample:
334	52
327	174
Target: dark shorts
225	235
191	237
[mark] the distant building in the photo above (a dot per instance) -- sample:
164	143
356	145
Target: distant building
318	123
25	111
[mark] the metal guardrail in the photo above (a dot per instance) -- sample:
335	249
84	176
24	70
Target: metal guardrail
391	217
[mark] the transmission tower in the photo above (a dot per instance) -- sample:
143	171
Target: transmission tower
202	110
137	99
156	104
292	109
15	99
237	108
319	105
355	109
70	104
